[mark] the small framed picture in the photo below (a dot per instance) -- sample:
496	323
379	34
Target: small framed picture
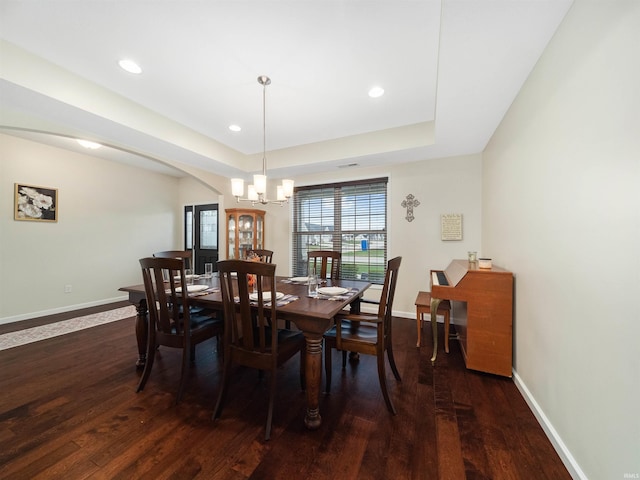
36	204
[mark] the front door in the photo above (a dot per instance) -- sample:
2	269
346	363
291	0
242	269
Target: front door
201	235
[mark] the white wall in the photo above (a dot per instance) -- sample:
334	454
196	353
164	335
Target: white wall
110	215
561	208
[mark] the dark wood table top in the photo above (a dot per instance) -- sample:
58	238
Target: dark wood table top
309	314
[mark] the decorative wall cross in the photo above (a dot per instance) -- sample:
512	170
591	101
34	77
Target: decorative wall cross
409	203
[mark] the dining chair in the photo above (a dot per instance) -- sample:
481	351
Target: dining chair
265	255
186	255
324	261
249	339
171	323
369	334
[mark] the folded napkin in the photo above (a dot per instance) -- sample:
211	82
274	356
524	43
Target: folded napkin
279	303
344	296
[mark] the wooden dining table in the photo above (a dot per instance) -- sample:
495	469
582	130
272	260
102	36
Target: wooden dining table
312	316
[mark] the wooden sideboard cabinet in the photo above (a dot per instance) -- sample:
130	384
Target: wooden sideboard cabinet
245	231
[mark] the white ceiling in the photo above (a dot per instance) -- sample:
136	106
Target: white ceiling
450	71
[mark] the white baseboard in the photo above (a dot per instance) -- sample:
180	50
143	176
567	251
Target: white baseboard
53	311
565	455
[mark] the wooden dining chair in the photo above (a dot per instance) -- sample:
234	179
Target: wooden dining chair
249	339
186	255
324	261
369	334
265	255
171	324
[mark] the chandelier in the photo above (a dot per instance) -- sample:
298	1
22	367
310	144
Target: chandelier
257	193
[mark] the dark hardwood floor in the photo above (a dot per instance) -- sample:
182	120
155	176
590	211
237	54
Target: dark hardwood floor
69	410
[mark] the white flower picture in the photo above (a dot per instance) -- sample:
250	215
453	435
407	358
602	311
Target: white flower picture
36	203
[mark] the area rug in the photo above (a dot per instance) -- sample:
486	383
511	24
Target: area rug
35	334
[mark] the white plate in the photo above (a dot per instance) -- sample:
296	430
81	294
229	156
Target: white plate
299	279
187	277
332	290
266	296
193	288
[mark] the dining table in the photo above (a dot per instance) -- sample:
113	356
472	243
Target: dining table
313	316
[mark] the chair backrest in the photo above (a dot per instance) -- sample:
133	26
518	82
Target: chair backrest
168	308
388	292
266	256
185	255
323	261
247	332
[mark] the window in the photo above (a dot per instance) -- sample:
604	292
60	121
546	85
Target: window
349	217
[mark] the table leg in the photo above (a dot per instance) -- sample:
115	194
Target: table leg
142	331
313	372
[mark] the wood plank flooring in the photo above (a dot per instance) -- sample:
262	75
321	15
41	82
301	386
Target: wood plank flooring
68	410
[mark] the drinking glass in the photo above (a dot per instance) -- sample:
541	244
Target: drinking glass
188	274
208	270
313	282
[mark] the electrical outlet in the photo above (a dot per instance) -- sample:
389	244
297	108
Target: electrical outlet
67	289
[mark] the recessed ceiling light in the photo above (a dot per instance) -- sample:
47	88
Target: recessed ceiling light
235	128
130	66
376	92
88	144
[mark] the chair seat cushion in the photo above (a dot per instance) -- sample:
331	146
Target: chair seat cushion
355	331
286	339
199	322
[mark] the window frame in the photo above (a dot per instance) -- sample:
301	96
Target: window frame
346	214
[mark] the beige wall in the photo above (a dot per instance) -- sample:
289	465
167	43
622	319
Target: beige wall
562	209
138	217
450	185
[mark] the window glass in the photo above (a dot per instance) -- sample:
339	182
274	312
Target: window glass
349	217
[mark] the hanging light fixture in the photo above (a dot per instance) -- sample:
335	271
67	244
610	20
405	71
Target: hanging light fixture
257	193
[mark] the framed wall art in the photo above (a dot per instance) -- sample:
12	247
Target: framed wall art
451	226
36	204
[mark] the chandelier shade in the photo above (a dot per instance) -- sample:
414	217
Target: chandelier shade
257	192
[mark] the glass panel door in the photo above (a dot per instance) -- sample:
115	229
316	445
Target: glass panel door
201	235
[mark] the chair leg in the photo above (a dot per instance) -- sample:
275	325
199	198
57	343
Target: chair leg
186	356
392	362
224	386
344	359
327	366
151	355
383	384
272	395
446	331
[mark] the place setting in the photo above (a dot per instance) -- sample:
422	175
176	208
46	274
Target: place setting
281	298
197	290
298	280
332	293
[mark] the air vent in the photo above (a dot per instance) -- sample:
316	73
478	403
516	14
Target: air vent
348	165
